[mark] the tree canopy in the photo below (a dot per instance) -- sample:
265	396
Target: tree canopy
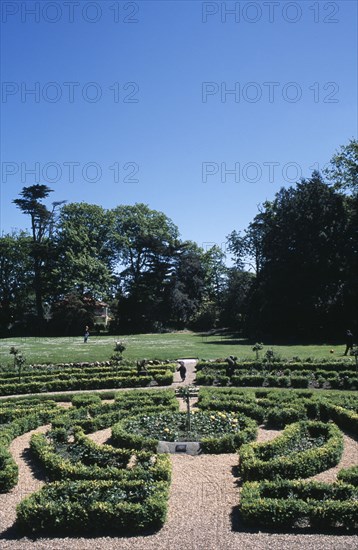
294	271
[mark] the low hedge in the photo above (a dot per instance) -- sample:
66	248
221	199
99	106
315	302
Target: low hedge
248	409
279	417
9	471
87	383
339	375
287	504
92	461
344	418
93	417
95	506
86	400
265	366
349	475
287	457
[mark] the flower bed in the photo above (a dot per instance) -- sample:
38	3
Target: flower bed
217	432
81	458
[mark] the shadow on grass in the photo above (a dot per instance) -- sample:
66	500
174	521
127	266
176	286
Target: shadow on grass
225	338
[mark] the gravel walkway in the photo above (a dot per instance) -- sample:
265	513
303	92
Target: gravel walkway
349	458
101	437
30	480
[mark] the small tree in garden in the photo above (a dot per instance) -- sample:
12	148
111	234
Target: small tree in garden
19	360
117	356
257	348
119	347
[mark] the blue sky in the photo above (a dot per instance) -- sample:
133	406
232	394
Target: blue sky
136	95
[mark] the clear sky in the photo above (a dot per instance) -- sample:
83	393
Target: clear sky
136	95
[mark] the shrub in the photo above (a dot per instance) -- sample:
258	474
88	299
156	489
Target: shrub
299	381
344	418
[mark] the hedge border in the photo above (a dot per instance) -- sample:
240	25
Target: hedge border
325	506
301	464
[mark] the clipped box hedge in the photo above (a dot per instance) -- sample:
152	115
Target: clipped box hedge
98	461
344	418
281	374
265	366
229	405
287	504
349	475
283	458
86	382
9	471
93	507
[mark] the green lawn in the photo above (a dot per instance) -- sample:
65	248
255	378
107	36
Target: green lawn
152	346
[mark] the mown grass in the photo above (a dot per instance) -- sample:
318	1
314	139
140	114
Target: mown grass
153	346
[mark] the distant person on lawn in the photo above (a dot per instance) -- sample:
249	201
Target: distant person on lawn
85	338
349	341
182	370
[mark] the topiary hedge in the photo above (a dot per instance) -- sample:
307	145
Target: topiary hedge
95	506
287	504
51	380
303	450
281	374
349	475
84	459
9	471
86	400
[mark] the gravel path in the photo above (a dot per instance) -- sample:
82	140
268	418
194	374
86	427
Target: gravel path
30	480
190	373
101	437
349	458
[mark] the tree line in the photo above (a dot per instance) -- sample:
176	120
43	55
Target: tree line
294	273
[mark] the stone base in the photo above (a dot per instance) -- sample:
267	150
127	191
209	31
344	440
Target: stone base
179	447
